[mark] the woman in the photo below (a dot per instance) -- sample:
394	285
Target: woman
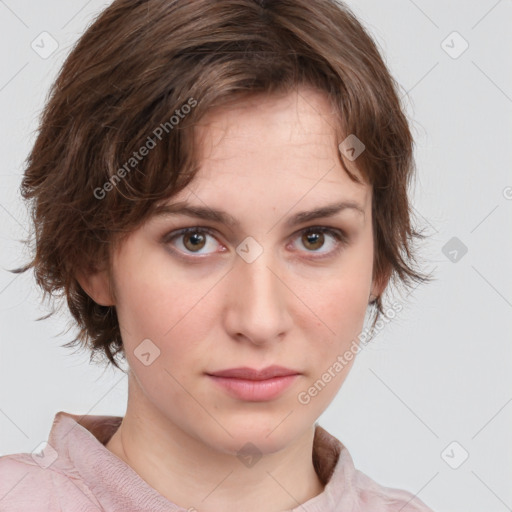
219	189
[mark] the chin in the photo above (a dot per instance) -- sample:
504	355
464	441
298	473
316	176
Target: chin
262	433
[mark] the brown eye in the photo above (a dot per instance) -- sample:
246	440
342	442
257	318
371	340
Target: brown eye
199	241
313	240
194	241
320	241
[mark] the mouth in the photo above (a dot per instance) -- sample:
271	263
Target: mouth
253	385
247	373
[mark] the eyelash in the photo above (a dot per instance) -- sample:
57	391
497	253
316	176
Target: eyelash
340	237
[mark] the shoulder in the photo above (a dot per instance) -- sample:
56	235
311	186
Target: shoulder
21	482
386	499
31	487
16	470
352	489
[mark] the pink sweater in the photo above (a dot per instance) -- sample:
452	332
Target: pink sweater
75	472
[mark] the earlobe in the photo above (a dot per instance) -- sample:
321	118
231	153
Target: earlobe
97	286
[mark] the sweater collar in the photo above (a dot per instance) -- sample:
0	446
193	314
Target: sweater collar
80	445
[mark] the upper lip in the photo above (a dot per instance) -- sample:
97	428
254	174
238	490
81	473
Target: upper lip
251	374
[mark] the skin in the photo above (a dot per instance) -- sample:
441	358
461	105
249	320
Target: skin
262	161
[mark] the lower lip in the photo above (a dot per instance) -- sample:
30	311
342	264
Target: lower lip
255	390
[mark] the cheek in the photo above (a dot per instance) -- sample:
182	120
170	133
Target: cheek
340	299
166	312
141	307
160	302
340	310
340	303
151	294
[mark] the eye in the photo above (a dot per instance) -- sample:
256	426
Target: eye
202	241
192	240
318	237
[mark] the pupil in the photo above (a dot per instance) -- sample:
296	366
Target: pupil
196	241
314	238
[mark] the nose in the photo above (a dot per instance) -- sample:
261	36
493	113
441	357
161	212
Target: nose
258	301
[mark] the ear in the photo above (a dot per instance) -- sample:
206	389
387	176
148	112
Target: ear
97	285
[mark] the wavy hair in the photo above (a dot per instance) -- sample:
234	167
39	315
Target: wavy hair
132	73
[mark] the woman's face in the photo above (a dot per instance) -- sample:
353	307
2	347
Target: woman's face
272	288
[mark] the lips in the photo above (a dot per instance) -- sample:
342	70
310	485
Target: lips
250	385
247	373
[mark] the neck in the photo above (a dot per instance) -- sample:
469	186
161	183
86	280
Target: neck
194	475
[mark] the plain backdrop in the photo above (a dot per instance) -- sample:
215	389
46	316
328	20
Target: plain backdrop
436	384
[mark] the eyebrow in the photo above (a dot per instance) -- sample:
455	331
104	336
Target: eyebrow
211	214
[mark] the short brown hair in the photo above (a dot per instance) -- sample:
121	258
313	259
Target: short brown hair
134	70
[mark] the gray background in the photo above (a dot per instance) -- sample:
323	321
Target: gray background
441	371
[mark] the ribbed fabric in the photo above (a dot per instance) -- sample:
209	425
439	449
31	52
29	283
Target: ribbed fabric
82	475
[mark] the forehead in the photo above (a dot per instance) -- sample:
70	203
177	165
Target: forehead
287	140
299	119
